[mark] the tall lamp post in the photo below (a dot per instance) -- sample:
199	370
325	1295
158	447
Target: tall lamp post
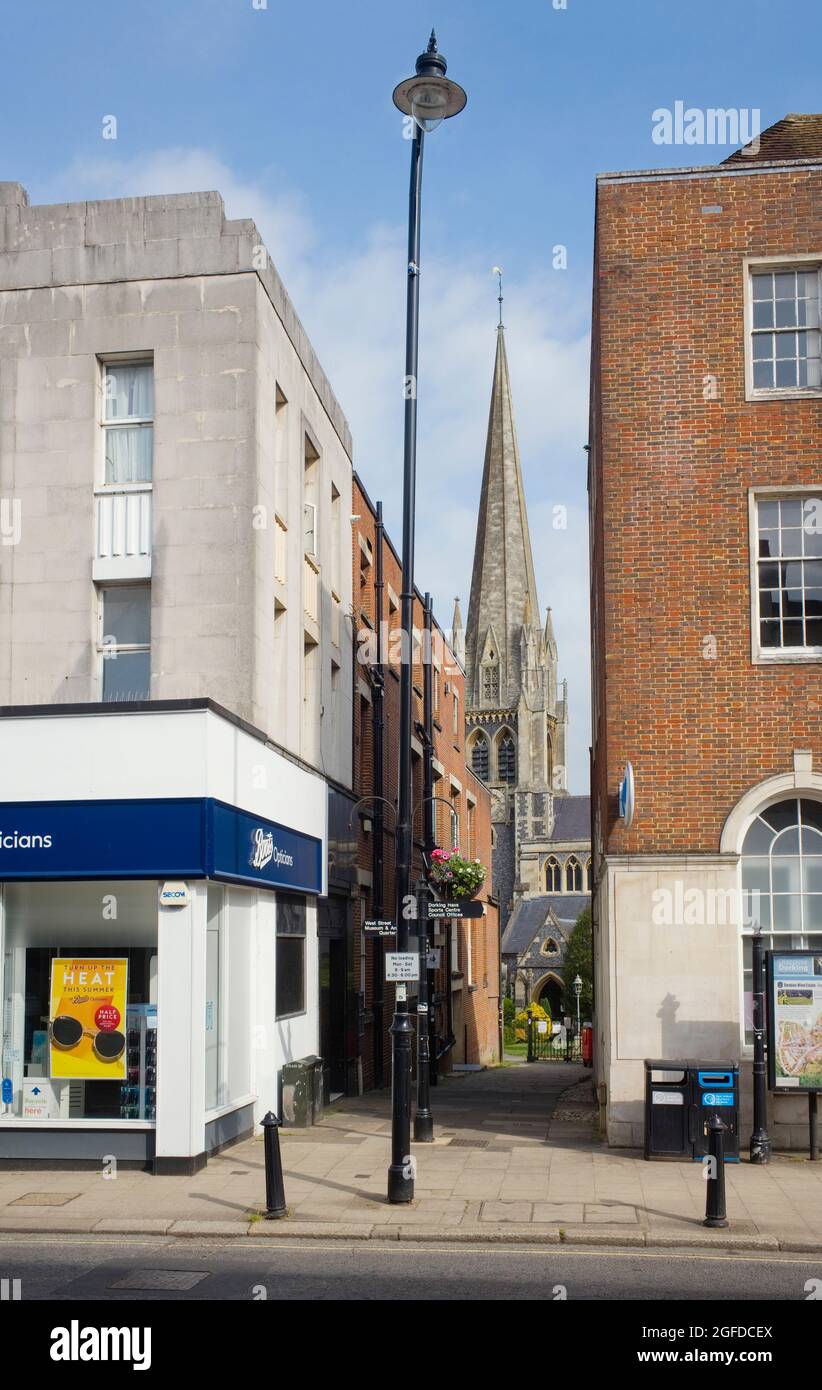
429	97
578	992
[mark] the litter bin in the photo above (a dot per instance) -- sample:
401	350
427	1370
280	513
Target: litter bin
318	1092
297	1082
667	1110
715	1091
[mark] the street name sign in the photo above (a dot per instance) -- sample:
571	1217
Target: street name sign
466	907
379	927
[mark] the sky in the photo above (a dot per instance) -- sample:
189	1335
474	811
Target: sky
286	110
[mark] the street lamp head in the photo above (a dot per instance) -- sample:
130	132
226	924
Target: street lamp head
430	97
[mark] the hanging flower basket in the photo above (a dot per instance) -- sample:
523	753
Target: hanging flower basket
455	876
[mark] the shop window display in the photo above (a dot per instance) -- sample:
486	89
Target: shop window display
79	1001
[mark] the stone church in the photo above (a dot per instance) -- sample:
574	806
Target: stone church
516	720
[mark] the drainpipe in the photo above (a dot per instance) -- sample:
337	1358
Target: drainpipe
378	860
429	833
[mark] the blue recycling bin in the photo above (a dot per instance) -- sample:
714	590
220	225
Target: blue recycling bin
714	1091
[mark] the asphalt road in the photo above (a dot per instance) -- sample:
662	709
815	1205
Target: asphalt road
143	1269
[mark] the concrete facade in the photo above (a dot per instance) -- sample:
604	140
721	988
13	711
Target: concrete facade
246	431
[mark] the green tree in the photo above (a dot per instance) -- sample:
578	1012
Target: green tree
578	961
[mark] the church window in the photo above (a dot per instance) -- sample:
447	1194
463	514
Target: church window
553	876
490	684
588	876
479	757
507	759
573	875
549	762
550	947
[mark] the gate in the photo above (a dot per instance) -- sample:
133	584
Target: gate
549	1047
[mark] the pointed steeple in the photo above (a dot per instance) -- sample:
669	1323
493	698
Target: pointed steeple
503	588
458	634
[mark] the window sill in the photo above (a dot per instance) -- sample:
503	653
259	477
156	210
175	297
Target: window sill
786	658
810	393
230	1105
301	1013
18	1122
105	489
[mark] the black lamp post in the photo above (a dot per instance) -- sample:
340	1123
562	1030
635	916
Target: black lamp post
430	97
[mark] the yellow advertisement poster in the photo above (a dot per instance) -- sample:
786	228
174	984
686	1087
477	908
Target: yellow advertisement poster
87	1035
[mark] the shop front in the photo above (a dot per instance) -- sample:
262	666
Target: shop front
158	951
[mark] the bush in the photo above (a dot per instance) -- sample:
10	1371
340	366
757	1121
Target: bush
537	1012
509	1010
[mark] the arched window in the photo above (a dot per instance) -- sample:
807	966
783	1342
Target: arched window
479	756
550	947
588	884
549	761
553	876
506	759
573	875
782	882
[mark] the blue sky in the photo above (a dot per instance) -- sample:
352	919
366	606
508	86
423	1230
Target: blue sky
287	111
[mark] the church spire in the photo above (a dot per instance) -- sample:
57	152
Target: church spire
503	588
458	634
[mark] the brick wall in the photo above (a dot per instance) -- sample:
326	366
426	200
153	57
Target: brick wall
480	1005
670	474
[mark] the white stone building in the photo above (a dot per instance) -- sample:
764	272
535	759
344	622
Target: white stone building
175	585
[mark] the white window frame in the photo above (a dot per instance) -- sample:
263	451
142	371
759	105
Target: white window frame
750	266
110	363
310	514
771	656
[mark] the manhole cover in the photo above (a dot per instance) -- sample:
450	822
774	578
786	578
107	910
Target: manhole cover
469	1144
44	1199
180	1279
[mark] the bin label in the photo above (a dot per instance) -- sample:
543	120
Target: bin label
718	1098
667	1098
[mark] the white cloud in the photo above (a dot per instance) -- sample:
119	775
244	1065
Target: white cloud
352	302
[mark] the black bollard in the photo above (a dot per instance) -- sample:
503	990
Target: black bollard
274	1187
529	1031
715	1196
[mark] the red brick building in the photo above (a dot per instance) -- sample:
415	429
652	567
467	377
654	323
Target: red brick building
706	556
465	986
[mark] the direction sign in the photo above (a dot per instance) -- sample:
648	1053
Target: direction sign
402	965
8	1090
466	907
379	927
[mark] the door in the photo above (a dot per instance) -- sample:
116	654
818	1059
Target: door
332	913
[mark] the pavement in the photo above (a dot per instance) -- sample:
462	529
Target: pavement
516	1160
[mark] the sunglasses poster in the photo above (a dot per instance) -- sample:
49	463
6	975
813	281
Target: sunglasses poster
87	1040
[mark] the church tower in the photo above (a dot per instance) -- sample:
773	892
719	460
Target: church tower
515	715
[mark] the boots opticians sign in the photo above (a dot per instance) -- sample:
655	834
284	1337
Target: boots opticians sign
184	838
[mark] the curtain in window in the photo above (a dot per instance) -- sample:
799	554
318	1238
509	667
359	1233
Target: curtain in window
129	392
129	451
